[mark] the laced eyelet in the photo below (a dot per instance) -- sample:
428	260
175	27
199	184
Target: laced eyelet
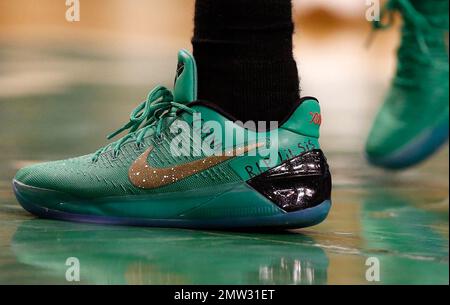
114	155
159	138
150	115
138	146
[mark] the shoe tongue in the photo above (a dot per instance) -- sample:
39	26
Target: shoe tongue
185	88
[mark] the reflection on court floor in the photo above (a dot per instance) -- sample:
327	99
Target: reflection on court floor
59	101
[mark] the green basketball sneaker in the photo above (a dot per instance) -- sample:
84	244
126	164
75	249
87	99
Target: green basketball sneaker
185	163
414	120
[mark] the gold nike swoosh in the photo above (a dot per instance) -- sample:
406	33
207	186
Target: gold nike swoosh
145	176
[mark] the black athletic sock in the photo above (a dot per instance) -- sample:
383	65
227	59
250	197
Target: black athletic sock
243	50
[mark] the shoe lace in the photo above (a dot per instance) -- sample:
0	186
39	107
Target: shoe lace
417	32
147	116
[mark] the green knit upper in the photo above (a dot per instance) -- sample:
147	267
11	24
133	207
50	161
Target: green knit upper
108	176
418	98
105	172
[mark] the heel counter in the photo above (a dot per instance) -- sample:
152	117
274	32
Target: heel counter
306	119
299	183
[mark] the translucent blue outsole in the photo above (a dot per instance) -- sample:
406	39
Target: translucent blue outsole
300	219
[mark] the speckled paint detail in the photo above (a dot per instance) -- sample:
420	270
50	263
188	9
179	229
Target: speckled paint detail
145	176
138	180
401	219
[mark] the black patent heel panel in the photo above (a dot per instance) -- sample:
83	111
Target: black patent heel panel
299	183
